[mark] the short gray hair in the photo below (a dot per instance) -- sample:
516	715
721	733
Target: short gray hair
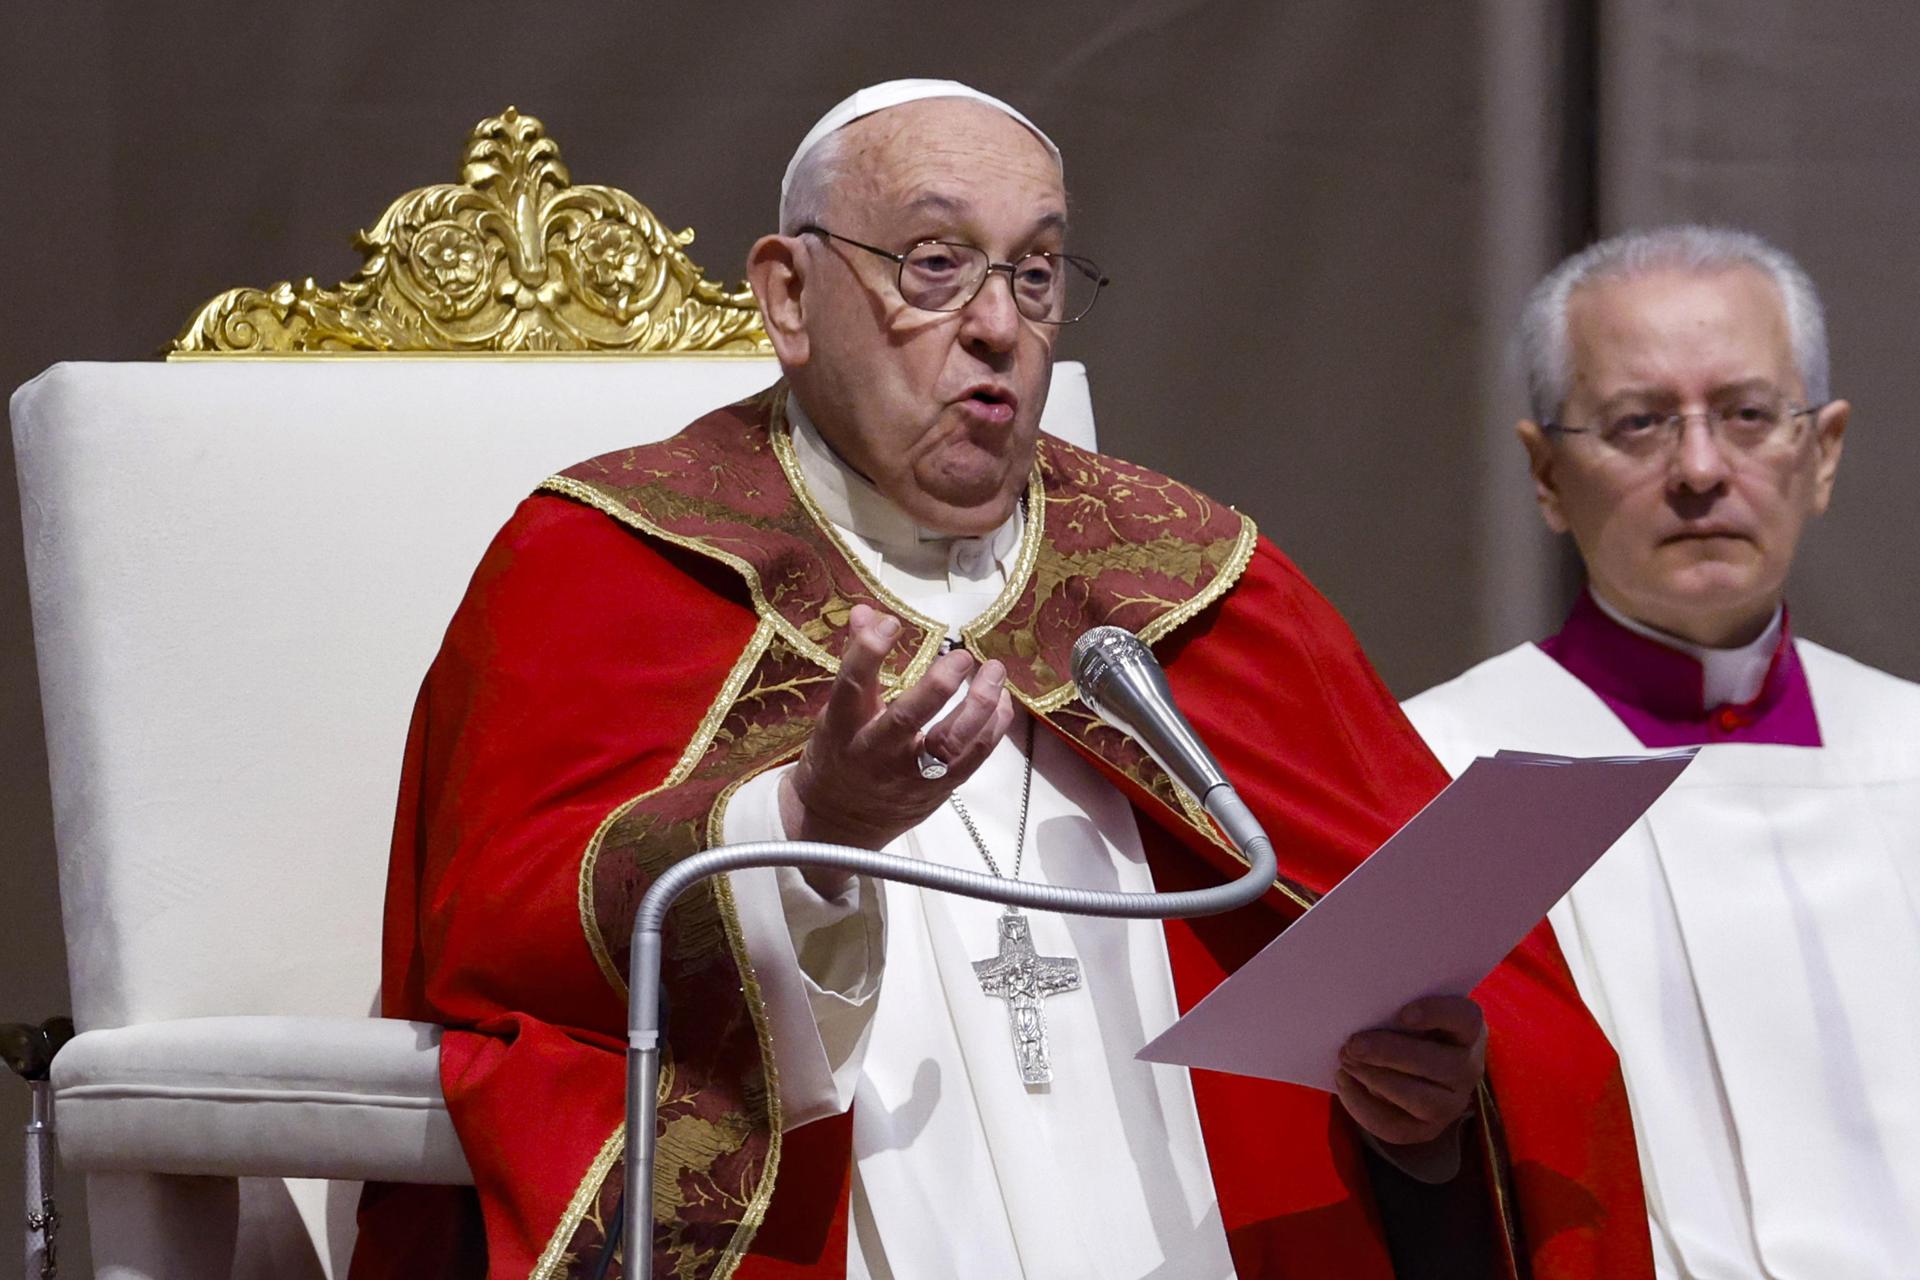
805	201
1546	353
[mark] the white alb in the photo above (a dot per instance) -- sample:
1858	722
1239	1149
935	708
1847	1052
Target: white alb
1752	950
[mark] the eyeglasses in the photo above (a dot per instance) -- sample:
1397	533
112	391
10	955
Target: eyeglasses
1751	425
939	275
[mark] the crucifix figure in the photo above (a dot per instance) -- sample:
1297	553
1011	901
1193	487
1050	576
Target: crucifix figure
1023	979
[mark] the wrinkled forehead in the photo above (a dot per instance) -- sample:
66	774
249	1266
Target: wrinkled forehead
951	155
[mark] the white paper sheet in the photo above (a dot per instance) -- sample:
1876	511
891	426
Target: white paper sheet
1431	913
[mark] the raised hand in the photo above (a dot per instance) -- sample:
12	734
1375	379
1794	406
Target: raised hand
1407	1084
858	782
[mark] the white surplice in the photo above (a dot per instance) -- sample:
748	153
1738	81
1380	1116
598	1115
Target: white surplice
1752	949
960	1169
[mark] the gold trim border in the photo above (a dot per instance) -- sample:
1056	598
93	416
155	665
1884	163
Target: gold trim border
583	1195
780	437
1235	567
756	1211
1230	573
1025	558
1159	628
696	747
780	432
595	1178
772	623
567	487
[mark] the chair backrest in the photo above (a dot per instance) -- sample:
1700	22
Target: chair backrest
240	570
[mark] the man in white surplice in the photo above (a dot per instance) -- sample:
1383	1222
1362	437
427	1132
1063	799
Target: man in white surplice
961	1169
1752	947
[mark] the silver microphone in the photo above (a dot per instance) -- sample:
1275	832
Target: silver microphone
1116	677
1120	681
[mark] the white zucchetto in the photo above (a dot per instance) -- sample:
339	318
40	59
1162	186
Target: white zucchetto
894	93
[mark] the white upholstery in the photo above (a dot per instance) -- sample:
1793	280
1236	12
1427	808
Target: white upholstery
305	1097
239	572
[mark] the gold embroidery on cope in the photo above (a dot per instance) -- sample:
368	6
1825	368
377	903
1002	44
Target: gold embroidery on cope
696	747
756	1209
728	489
720	1140
582	1208
780	431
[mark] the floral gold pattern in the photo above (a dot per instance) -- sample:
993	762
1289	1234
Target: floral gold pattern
1033	532
719	1107
584	1215
1106	543
512	258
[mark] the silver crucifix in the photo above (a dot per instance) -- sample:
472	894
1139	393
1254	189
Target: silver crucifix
1023	979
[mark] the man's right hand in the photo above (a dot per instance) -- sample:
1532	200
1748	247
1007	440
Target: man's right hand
858	782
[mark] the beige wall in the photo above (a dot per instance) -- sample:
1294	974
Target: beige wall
1319	214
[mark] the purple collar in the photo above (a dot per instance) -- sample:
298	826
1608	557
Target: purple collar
1658	693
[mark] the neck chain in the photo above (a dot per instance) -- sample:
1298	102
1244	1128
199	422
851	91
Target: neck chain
1020	835
1019	974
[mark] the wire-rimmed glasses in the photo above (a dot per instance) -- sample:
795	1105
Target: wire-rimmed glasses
1753	424
943	275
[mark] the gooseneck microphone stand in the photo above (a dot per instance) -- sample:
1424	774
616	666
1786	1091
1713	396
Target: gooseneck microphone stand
1120	681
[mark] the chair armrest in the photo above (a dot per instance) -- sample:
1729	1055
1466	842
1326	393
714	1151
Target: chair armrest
291	1097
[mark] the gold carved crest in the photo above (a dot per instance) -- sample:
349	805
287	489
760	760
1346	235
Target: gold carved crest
512	258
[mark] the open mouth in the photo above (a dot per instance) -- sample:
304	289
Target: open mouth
991	404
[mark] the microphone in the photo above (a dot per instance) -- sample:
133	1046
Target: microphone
1125	687
1120	681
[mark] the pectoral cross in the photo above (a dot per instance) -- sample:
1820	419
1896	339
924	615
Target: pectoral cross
1023	979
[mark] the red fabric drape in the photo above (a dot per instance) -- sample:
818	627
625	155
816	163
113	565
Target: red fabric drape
575	671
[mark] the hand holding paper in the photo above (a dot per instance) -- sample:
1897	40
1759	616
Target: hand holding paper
1408	1082
1431	913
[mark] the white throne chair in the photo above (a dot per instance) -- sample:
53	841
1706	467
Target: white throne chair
241	562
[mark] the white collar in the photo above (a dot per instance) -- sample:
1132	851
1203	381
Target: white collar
1728	676
851	502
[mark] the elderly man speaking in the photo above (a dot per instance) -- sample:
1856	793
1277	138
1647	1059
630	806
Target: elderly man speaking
1752	947
843	610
